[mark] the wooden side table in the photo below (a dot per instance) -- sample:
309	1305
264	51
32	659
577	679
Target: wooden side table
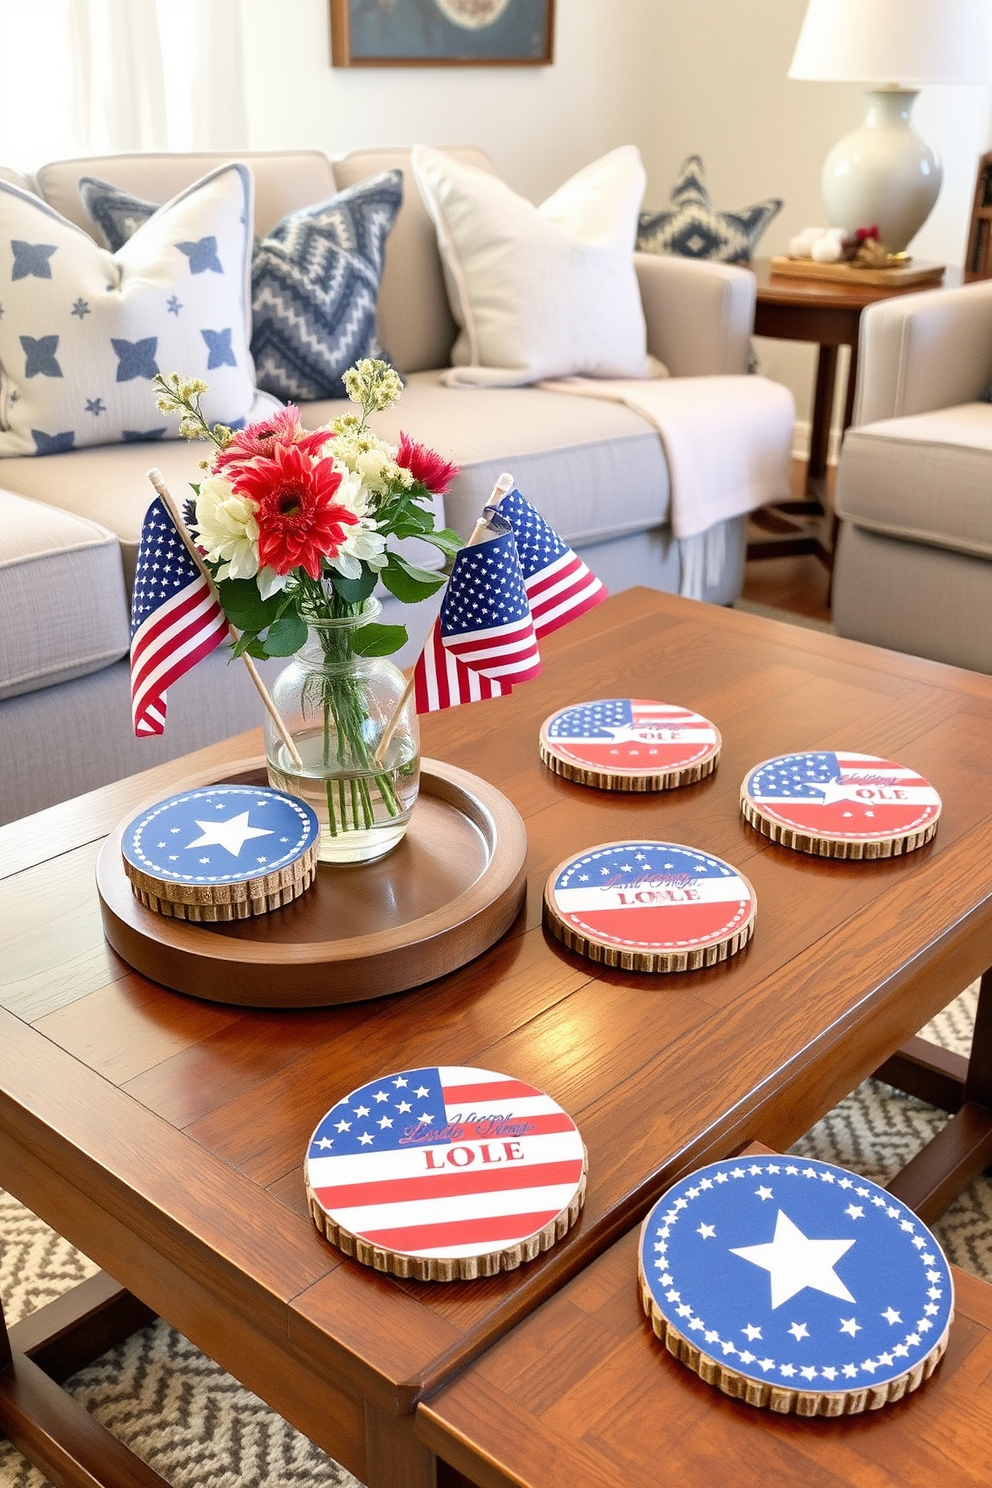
829	314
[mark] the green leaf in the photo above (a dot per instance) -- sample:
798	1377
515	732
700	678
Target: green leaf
353	591
245	606
446	539
378	640
285	636
408	582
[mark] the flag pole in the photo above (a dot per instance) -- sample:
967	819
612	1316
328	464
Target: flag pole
155	476
502	486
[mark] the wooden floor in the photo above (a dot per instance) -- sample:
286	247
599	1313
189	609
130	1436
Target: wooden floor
799	583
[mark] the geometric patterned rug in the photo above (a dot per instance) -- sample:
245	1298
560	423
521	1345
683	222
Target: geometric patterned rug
199	1428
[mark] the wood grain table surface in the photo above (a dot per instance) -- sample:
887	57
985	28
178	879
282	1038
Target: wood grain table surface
165	1136
582	1392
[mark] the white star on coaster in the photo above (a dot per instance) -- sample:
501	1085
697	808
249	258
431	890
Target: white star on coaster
231	834
794	1261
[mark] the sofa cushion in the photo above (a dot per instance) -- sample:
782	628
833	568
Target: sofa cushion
109	484
84	332
926	477
314	280
594	469
63	612
414	319
692	228
284	180
539	292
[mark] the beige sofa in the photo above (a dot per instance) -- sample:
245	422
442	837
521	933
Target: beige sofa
914	483
69	522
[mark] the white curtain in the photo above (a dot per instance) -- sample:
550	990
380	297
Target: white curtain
95	76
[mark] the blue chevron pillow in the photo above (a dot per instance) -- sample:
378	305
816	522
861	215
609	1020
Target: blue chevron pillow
691	228
315	280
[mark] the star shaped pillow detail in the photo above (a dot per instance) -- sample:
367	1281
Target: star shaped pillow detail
539	292
315	280
83	331
692	228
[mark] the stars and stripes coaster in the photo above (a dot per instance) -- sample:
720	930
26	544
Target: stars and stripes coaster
650	906
795	1285
445	1173
840	805
225	852
630	744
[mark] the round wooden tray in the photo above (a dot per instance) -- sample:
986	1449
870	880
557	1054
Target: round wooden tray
451	888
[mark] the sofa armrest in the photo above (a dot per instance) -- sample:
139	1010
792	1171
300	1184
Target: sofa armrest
925	351
699	314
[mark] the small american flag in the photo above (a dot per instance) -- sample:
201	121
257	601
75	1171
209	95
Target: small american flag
446	1160
559	585
483	641
176	619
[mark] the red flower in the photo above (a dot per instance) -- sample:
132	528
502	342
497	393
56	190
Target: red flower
298	521
259	438
425	466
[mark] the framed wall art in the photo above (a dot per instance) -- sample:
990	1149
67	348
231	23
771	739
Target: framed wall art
442	33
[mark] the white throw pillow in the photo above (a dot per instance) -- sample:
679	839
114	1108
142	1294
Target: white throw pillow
539	292
83	331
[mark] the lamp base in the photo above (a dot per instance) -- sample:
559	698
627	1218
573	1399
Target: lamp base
883	173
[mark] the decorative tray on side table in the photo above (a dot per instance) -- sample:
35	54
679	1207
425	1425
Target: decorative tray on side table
451	888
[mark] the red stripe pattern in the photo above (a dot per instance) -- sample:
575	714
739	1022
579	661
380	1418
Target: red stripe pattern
176	619
445	1161
559	586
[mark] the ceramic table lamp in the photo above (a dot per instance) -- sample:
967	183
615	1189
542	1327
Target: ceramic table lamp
884	173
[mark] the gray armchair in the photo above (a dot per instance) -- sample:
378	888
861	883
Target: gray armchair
914	486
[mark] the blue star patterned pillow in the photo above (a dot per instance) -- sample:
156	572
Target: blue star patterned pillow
83	331
692	228
315	280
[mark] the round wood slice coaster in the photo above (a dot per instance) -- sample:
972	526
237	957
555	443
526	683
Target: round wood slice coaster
650	906
840	805
224	852
630	744
445	1173
795	1285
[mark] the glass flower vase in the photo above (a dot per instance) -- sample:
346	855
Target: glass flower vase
337	706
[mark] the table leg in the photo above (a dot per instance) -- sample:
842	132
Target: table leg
823	403
52	1430
394	1458
963	1149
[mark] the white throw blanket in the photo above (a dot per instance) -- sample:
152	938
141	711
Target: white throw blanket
728	444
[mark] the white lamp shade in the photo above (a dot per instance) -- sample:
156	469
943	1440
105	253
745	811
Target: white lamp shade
910	42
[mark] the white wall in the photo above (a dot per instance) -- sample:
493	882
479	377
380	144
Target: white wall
676	77
539	124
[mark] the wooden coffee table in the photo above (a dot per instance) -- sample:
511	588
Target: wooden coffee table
583	1392
164	1135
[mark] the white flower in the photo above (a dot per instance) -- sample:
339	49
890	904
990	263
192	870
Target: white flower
270	582
226	528
373	384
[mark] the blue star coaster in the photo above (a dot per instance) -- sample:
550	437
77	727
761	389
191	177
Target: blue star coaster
794	1284
233	847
